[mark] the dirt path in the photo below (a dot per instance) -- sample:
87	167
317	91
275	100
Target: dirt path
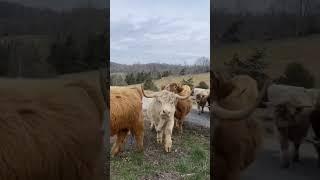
267	166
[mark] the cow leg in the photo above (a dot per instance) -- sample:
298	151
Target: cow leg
176	121
296	157
198	109
159	131
123	143
151	125
180	124
202	109
167	136
285	155
117	146
138	134
159	136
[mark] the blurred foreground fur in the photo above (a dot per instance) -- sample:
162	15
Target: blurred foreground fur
51	131
237	135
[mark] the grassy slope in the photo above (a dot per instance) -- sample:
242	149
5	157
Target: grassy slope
166	80
36	86
189	159
279	53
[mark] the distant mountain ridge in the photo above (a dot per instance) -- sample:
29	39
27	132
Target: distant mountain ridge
150	67
62	4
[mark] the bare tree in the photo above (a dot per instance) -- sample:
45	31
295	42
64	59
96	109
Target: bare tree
203	63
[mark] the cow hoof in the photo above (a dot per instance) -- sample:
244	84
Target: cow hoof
115	151
167	149
113	154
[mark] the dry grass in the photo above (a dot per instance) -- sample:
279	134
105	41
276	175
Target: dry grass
279	54
166	80
38	86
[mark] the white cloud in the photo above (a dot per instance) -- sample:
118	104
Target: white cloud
166	33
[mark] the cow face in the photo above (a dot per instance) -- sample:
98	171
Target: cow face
166	103
201	98
173	87
286	113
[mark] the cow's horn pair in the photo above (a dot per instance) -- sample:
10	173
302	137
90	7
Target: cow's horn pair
156	93
223	113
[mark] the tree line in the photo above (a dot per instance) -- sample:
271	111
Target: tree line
66	54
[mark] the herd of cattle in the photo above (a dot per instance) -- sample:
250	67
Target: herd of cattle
168	109
238	134
58	132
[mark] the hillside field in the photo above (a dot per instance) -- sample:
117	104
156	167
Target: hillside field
166	80
279	53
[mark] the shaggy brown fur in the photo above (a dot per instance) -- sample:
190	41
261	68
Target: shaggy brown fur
50	132
236	142
173	87
126	115
183	107
202	100
292	127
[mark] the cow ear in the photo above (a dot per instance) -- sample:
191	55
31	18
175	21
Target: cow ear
162	87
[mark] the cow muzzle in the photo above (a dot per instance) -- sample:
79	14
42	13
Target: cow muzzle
165	113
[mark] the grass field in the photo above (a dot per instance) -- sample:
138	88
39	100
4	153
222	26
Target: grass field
279	53
166	80
39	86
188	160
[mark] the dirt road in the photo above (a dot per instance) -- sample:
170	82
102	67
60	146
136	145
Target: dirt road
267	166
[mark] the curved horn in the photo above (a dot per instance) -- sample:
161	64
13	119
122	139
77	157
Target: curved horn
147	96
223	113
182	97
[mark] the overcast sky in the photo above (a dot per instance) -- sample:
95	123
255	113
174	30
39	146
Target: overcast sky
165	31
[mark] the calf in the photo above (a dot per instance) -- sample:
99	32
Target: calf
161	111
183	107
202	100
292	124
